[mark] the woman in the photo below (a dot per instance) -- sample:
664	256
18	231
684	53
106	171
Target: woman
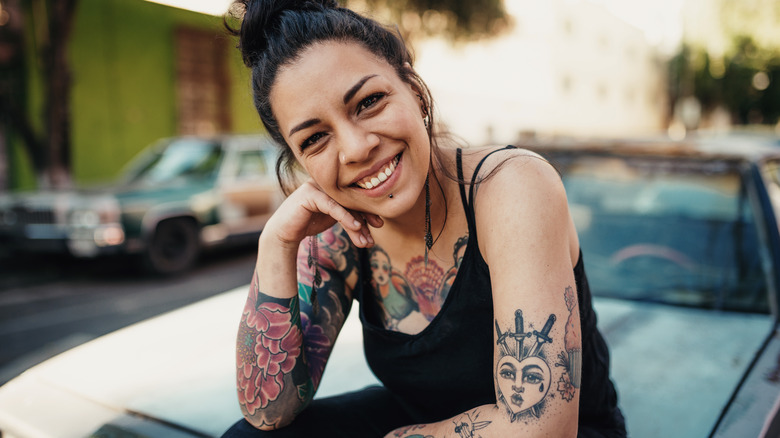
492	344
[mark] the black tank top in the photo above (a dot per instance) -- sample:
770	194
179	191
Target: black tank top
447	368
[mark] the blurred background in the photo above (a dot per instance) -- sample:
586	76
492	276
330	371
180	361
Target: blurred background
86	84
134	179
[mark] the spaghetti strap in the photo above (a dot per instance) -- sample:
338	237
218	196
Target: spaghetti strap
470	199
461	179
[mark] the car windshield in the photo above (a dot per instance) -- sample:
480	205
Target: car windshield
678	232
183	158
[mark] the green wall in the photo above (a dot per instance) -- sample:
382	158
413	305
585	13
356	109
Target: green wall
124	91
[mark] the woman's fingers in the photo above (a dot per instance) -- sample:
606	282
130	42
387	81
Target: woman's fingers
353	223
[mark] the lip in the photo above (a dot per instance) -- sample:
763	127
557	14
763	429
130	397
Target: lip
385	187
517	400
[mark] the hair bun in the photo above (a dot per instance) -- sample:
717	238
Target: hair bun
258	18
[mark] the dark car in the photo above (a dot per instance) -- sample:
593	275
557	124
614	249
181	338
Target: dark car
682	251
179	196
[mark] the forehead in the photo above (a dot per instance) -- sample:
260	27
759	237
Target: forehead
323	72
379	254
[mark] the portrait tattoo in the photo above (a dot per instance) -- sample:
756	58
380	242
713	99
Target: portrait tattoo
420	289
522	374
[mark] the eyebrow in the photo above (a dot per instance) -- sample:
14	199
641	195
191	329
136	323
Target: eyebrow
304	125
347	97
355	88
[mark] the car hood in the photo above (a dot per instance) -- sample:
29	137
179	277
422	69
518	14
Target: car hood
173	373
675	368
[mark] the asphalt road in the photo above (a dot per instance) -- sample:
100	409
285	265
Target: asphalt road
51	304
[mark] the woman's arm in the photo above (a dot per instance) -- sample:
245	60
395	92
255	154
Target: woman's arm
283	339
527	238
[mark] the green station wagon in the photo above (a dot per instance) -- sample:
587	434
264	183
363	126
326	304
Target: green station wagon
176	198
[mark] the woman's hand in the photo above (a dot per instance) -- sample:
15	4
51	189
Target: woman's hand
309	211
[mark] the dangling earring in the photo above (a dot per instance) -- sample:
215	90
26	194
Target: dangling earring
428	235
424	109
313	261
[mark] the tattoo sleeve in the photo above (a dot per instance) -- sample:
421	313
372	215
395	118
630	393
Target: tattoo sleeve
282	345
269	358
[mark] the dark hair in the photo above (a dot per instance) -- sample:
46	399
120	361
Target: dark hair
273	33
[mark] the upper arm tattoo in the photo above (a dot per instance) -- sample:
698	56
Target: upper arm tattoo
523	373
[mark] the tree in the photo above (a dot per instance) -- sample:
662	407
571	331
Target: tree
457	19
745	80
51	23
48	149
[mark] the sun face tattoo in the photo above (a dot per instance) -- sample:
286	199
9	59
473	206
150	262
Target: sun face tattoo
523	376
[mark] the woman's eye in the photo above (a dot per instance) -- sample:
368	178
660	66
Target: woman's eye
533	378
508	374
370	101
311	140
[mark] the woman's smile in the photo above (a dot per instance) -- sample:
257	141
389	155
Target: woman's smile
385	172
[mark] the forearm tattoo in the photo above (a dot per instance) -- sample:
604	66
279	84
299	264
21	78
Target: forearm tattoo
523	373
282	346
269	355
338	262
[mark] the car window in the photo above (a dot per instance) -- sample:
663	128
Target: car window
771	172
184	158
252	164
673	232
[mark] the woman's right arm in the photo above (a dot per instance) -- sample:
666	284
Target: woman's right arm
283	343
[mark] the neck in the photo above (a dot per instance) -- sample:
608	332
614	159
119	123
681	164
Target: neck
411	225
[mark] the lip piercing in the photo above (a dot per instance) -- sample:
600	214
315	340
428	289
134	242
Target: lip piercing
391	196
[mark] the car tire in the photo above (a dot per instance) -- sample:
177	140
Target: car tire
173	248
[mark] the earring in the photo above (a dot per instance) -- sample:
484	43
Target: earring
424	109
428	235
313	262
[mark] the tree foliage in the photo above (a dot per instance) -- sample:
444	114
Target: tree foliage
456	19
745	80
48	24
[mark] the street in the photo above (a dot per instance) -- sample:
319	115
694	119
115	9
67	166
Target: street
49	305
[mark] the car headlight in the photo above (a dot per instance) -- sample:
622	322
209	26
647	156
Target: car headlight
94	212
85	218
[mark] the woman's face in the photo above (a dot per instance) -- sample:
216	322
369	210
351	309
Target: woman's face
355	126
523	383
380	268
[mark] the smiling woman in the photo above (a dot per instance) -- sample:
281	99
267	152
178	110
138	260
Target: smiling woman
443	319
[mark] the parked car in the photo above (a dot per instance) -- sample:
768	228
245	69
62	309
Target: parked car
177	197
682	250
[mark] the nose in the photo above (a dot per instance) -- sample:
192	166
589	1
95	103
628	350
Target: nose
356	143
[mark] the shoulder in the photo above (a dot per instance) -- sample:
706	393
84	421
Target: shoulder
519	193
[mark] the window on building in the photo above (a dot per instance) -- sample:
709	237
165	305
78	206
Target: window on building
202	82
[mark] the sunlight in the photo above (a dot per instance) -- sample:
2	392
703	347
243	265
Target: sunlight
211	7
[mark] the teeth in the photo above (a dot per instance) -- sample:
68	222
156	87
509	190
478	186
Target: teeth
382	176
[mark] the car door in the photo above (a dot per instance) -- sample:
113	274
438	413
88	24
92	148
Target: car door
249	190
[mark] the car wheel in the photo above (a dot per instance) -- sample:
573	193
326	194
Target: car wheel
174	247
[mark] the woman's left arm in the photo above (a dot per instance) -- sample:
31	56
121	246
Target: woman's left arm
528	240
